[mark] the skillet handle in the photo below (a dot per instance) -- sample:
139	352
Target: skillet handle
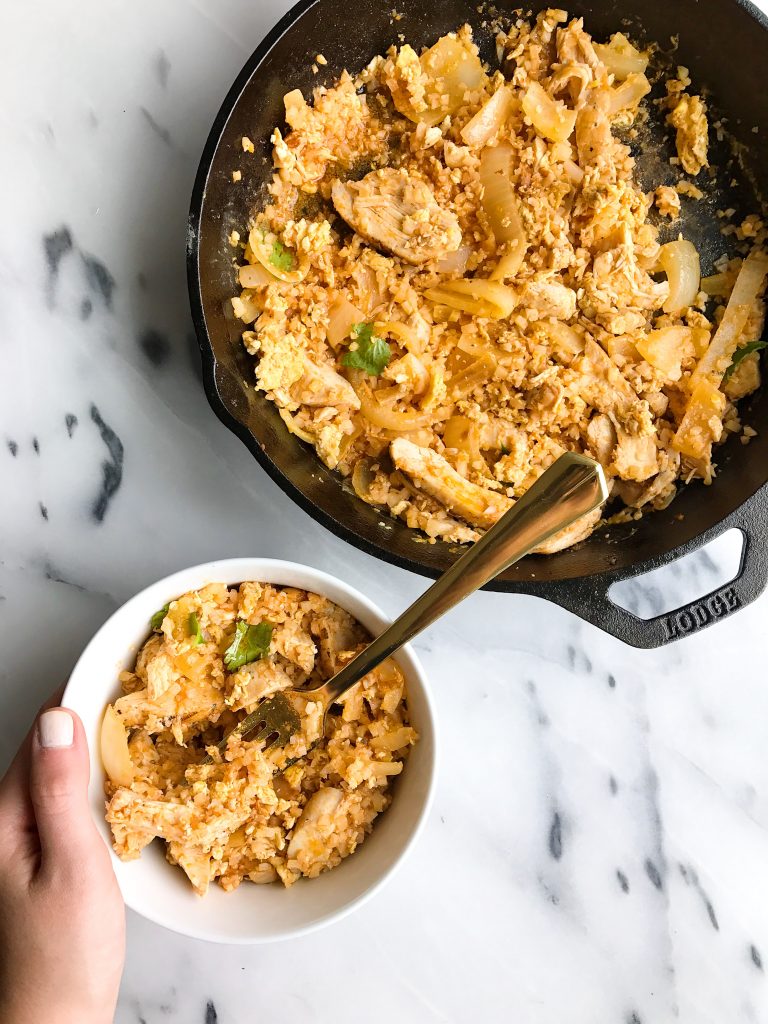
589	598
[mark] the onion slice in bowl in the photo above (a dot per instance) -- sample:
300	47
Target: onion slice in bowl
115	754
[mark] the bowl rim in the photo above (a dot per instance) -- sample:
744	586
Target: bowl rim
230	571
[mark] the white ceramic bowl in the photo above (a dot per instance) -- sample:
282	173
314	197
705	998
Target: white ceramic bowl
253	913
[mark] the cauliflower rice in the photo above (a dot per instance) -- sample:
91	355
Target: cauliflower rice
457	277
252	814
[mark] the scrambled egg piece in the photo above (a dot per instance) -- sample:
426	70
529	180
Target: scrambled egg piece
689	118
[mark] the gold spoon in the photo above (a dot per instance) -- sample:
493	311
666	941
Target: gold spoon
571	488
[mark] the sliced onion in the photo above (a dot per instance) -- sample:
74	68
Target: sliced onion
342	316
717	358
620	57
680	262
423	437
551	118
349	439
247	306
566	342
294	428
435	389
362	478
391	394
477	296
463	434
261	243
253	275
477	373
702	422
715	284
401	332
510	261
470	345
451	70
499	200
380	416
455	262
628	94
489	119
573	171
460	358
664	349
750	278
415	374
369	287
115	755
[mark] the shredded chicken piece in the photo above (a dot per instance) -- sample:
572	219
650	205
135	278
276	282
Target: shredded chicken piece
435	475
659	490
316	822
601	436
571	535
635	457
602	384
574	46
320	384
549	298
595	143
399	213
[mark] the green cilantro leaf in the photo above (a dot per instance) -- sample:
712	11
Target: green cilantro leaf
742	353
250	643
281	257
194	629
371	353
157	619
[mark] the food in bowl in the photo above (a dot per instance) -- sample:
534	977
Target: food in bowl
256	813
457	276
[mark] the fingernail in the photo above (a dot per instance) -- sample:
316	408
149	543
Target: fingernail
56	728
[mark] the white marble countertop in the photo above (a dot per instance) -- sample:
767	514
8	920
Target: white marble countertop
598	849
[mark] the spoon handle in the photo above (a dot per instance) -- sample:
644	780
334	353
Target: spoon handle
573	486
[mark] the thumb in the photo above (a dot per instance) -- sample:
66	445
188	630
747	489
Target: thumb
58	785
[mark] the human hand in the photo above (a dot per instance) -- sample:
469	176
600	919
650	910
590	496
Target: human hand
62	920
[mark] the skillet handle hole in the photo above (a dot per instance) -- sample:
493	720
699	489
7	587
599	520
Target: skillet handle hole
683	581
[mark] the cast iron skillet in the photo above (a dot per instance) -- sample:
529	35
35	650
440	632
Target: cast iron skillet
725	43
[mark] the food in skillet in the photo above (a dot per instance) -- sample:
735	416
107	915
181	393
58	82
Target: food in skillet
253	814
457	277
